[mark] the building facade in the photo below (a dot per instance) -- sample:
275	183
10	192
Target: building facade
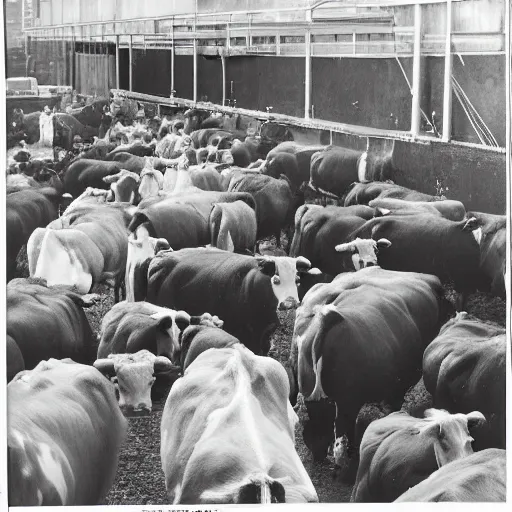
333	60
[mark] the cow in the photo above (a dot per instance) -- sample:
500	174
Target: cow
26	210
384	320
244	291
464	369
183	219
64	435
45	322
233	226
90	248
432	245
449	209
212	137
151	182
363	193
136	148
238	445
173	145
197	339
302	153
481	477
399	451
321	233
491	235
128	331
92	115
133	163
125	186
274	202
83	173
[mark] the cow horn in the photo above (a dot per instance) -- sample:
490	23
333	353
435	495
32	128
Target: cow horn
348	247
302	264
162	364
104	365
471	224
475	419
383	243
112	178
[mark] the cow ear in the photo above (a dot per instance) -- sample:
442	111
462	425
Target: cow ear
475	419
105	366
162	245
266	265
183	320
471	224
314	271
162	364
383	243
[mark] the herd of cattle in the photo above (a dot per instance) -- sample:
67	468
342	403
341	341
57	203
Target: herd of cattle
170	213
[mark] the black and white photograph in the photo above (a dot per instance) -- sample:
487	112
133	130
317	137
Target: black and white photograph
255	252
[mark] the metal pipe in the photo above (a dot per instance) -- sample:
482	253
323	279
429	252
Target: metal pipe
307	78
118	78
416	74
130	65
172	57
448	63
223	62
195	71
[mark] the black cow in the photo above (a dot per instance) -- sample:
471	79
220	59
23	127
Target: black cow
464	369
491	235
274	201
448	208
136	148
321	233
92	115
363	193
244	291
183	220
83	173
27	210
429	244
48	322
357	340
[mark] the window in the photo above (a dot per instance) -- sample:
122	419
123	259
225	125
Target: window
292	39
264	40
238	41
323	38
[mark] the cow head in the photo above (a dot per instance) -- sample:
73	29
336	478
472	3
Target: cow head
124	186
285	275
260	489
134	375
318	432
450	433
364	251
151	182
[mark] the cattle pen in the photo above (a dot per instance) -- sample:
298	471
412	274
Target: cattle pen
319	189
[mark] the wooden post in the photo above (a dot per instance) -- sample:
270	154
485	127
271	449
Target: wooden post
223	62
118	78
130	64
416	74
307	78
448	61
353	43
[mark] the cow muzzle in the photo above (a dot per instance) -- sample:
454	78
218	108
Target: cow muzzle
130	411
289	303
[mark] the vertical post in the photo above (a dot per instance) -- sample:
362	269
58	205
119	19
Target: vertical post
172	57
118	78
130	64
307	76
195	68
223	62
416	73
448	61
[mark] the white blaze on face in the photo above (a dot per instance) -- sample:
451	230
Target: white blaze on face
173	332
151	183
60	265
170	178
361	168
364	252
135	380
285	286
477	233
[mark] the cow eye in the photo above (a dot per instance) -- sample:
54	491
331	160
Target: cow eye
276	280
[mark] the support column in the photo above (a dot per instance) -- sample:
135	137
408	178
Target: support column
172	58
307	80
223	62
195	70
416	74
118	80
448	63
130	63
